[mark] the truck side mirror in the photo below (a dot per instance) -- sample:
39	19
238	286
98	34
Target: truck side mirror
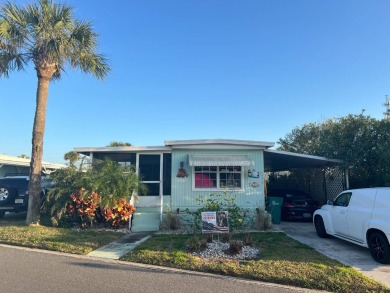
330	202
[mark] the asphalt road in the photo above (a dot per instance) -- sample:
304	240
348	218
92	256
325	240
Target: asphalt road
31	270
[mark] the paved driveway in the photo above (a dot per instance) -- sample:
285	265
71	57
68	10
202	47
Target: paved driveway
343	251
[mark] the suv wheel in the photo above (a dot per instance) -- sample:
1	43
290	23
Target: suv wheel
6	194
320	227
379	248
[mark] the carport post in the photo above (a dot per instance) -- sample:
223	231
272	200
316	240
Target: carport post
325	186
346	178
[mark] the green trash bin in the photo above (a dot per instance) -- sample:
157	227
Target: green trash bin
275	209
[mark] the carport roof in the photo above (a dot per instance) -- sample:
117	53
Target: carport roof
275	160
22	162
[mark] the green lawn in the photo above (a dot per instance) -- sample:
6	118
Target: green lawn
57	239
282	260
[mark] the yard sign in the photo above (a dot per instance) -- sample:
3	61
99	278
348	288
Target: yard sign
215	222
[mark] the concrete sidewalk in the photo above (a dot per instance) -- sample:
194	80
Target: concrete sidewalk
118	248
347	253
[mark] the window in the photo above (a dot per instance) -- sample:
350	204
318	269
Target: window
213	177
343	199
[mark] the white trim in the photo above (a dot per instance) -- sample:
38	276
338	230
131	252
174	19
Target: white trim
137	164
123	149
152	200
160	182
219	142
216	147
303	156
161	186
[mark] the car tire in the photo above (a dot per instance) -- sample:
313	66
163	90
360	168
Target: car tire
6	194
320	227
379	248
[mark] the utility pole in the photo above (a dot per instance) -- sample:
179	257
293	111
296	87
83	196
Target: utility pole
387	105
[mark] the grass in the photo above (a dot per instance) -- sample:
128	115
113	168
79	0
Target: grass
57	239
282	260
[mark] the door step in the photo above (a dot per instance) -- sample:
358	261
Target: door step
146	219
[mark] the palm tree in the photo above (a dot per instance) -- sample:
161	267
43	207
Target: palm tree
118	144
46	35
72	157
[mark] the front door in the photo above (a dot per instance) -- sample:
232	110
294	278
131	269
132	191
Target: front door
150	172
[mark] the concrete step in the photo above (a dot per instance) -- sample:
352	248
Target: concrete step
147	210
146	219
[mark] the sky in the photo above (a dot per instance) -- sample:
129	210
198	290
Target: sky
208	69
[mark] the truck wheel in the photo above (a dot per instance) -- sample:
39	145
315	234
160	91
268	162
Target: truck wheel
379	248
320	227
6	194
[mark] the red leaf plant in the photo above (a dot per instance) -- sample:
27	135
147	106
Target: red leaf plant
83	208
119	214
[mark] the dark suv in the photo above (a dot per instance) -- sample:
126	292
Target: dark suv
14	193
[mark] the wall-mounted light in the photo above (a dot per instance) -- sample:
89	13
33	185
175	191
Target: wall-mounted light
182	173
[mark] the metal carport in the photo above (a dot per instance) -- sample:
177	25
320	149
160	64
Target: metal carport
321	177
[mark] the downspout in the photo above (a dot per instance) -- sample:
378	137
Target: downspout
325	187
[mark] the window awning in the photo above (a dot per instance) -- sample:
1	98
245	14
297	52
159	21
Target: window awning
219	160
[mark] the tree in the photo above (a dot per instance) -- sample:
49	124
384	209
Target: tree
46	35
72	157
118	143
23	156
361	142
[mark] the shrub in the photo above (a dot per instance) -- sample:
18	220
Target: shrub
220	202
196	243
110	180
64	183
118	215
248	240
82	209
263	220
171	221
235	247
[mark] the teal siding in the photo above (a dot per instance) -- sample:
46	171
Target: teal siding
184	197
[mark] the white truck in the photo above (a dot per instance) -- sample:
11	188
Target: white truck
360	216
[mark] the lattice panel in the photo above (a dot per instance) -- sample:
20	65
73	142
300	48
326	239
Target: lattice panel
335	182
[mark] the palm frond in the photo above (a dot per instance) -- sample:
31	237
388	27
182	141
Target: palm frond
10	62
46	33
13	25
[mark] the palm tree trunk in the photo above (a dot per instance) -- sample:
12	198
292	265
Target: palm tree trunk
34	190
